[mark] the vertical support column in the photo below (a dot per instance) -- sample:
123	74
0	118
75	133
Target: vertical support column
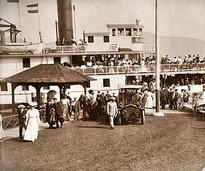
84	87
157	59
38	95
13	86
61	90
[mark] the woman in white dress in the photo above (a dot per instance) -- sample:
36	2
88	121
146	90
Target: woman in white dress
149	103
143	67
2	134
32	123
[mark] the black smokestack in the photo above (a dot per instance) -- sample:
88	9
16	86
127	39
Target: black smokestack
65	19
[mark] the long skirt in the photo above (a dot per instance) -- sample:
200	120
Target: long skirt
149	103
31	132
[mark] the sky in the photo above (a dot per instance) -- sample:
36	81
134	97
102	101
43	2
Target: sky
181	18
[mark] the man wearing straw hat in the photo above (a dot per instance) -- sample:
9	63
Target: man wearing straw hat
22	118
112	110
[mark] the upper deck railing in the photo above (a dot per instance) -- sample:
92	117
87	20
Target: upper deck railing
65	49
143	70
83	48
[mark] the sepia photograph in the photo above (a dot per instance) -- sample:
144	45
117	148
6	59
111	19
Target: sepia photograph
102	85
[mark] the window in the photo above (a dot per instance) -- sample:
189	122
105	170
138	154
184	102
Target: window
106	39
135	32
25	87
106	82
128	31
26	62
4	87
120	31
90	39
113	32
57	60
140	31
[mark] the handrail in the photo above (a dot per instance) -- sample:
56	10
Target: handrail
10	121
138	69
65	49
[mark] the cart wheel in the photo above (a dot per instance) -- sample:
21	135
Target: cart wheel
143	117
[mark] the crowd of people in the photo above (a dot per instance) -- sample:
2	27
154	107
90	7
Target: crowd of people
121	60
95	107
188	59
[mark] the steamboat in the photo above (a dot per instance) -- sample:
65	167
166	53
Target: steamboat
115	57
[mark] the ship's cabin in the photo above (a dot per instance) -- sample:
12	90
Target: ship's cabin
128	36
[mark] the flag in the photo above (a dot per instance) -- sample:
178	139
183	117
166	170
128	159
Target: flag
32	8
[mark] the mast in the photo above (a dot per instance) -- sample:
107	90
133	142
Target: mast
74	23
158	63
39	22
20	27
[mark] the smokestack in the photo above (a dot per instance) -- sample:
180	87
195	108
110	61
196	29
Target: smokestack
65	19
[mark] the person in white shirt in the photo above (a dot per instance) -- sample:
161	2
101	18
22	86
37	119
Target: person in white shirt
32	123
112	111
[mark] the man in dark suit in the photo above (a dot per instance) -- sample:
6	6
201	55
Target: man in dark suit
21	109
58	113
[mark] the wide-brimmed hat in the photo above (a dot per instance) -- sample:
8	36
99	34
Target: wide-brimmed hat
21	106
112	98
32	104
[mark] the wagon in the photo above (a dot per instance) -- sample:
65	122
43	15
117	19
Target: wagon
130	109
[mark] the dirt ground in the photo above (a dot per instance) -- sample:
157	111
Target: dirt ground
175	142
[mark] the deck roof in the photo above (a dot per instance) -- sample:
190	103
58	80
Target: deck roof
49	74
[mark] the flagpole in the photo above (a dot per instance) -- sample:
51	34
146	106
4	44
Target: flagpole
20	25
39	22
74	23
158	63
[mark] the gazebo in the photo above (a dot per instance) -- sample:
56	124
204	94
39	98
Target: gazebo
45	75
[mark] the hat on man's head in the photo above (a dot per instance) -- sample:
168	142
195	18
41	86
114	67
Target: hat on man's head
21	106
112	98
32	104
90	91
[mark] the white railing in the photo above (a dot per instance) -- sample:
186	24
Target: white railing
65	49
138	69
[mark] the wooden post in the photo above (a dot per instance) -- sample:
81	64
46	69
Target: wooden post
61	91
84	90
38	95
13	86
157	59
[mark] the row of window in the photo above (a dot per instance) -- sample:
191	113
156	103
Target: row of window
27	62
4	87
127	32
106	39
